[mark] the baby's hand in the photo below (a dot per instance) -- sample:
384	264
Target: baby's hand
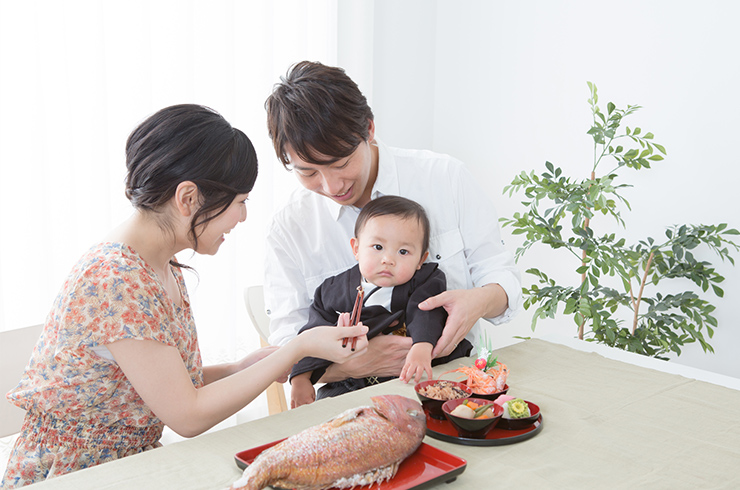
302	392
418	362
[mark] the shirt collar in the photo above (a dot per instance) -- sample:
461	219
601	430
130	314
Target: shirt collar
386	182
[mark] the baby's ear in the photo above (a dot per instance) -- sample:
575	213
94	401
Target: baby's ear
355	244
423	258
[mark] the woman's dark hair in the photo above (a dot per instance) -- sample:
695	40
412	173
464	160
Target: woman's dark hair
394	206
318	112
189	143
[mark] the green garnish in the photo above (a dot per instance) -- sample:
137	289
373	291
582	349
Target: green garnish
518	408
480	410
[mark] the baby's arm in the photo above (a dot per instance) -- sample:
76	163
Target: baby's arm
301	390
418	362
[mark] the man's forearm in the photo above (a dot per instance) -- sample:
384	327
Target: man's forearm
385	356
497	301
332	374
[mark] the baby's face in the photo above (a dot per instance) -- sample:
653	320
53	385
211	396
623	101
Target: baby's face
389	250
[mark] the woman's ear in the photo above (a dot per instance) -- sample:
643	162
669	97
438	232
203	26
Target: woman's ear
187	198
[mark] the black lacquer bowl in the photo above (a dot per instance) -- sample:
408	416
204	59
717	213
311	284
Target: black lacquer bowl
472	428
433	406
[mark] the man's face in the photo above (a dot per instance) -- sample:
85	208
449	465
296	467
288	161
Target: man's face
346	181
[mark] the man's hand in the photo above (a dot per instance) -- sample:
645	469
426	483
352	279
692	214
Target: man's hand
385	356
464	307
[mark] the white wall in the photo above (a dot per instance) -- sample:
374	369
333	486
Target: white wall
502	85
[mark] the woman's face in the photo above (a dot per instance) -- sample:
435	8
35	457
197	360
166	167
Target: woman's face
212	234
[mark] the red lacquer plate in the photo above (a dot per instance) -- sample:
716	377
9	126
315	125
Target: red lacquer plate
426	467
445	431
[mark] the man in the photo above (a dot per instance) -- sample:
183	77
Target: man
324	131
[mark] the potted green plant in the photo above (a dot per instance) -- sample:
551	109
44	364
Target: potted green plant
616	300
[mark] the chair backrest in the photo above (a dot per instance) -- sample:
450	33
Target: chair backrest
255	301
16	347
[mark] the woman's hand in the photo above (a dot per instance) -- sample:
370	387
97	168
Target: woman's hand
327	342
464	307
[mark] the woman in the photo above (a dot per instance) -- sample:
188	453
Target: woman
118	357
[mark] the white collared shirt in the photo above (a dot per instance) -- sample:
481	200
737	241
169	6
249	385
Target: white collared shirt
309	239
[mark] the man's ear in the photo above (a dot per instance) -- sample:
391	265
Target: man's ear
355	244
423	258
187	198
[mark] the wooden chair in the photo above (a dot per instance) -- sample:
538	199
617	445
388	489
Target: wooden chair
16	347
255	301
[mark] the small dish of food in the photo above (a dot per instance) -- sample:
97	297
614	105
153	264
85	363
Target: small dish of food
473	418
433	393
490	396
517	413
487	376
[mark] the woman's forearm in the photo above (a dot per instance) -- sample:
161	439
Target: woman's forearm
218	371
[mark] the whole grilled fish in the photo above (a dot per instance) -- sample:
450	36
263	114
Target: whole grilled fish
361	446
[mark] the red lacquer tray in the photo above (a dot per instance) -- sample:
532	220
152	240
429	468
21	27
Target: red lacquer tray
445	431
426	467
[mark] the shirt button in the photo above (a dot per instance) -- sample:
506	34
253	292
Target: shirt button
439	256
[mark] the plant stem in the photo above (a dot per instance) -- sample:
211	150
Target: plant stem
586	224
642	287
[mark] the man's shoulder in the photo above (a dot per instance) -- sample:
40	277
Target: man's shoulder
406	156
351	275
300	205
424	169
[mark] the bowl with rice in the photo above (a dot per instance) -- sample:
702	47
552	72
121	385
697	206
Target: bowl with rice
434	392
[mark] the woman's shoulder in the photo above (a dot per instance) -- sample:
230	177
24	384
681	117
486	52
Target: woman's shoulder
108	258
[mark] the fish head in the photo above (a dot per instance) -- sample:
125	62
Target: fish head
402	412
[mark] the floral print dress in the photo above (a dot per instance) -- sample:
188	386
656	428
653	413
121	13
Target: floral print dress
80	408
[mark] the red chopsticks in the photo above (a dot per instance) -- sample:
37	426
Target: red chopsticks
354	318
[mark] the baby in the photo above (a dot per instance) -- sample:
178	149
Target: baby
390	244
